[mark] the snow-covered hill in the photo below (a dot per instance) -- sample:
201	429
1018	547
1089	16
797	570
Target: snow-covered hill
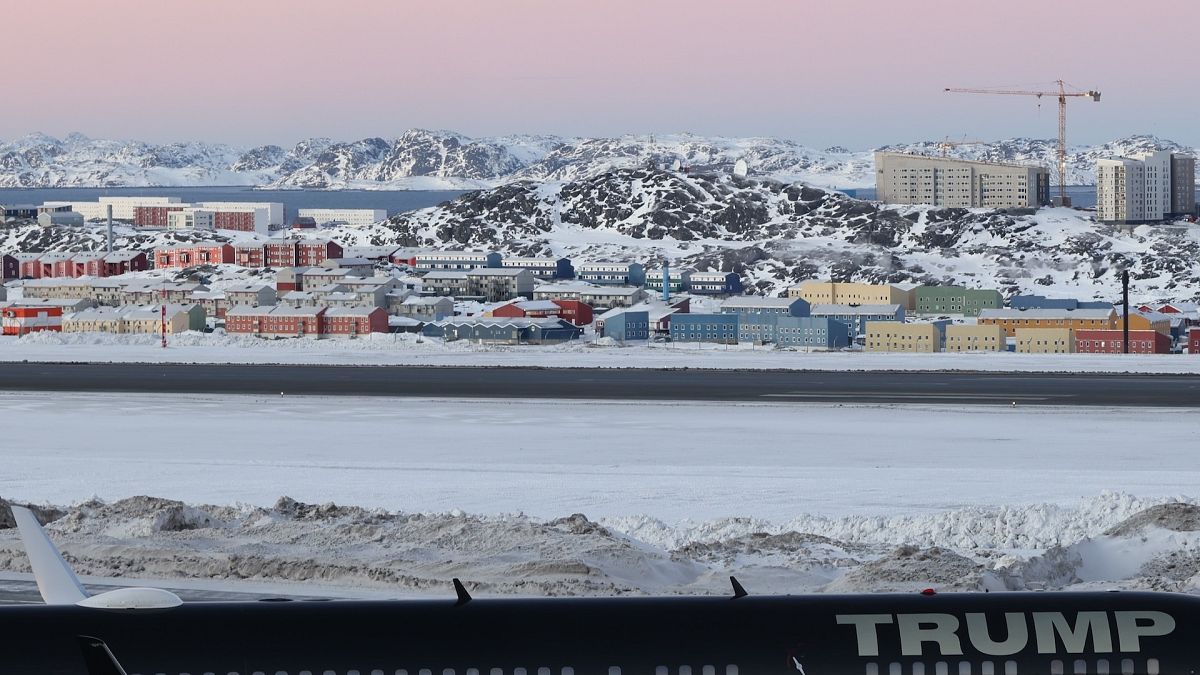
773	234
421	159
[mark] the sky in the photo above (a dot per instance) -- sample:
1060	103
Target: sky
856	73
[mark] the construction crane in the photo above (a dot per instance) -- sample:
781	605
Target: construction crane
1062	95
947	143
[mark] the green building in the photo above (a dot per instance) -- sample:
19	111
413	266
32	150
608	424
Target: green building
956	300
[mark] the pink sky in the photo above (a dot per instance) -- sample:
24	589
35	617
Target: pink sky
857	73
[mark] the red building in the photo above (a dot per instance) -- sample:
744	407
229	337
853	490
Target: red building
29	266
1112	342
1193	341
122	262
152	216
578	313
275	321
242	221
312	252
88	265
196	254
281	253
355	320
249	255
19	321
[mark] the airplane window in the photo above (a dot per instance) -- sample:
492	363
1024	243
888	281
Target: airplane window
941	668
497	671
423	671
918	668
894	669
662	670
872	668
1126	666
568	670
614	670
731	670
303	672
1010	668
284	672
257	672
402	671
329	672
1102	667
1056	667
1080	667
543	671
964	668
685	670
708	670
987	668
373	672
470	671
446	671
519	671
1152	667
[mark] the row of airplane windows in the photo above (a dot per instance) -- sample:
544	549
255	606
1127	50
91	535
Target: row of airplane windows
566	670
1057	667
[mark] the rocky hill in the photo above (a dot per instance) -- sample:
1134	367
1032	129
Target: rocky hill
775	234
420	159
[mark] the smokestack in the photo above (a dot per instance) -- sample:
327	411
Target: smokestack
1125	299
110	234
666	281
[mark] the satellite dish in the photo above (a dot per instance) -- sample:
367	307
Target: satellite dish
676	165
741	168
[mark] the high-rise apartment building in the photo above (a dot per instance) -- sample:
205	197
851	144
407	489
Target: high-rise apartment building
940	181
1148	187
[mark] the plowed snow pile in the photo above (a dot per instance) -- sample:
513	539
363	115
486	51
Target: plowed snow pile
404	553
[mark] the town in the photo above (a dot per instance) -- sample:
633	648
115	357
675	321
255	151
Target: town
298	284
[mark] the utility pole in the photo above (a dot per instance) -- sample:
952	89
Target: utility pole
1125	317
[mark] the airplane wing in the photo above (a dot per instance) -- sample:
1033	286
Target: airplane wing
55	578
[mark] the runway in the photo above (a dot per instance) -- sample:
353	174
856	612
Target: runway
950	388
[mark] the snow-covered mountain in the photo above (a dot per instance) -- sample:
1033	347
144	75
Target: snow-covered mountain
421	159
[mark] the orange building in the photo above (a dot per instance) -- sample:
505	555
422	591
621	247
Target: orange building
19	321
1075	319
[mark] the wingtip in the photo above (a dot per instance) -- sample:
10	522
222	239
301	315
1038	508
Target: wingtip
55	579
738	591
463	596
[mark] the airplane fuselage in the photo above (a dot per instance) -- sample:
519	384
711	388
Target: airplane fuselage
890	634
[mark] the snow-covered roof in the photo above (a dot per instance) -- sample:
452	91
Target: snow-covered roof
351	311
249	287
495	272
854	310
403	321
446	274
354	262
500	321
616	291
1010	313
753	302
426	302
537	305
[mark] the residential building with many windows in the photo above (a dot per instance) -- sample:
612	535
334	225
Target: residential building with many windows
941	181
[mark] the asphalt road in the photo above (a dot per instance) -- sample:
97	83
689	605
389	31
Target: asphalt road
613	384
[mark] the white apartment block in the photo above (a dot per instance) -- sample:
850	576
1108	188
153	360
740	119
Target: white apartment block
192	219
939	181
274	209
350	217
1134	189
122	206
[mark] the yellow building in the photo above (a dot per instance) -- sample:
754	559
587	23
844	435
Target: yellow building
1046	340
1012	320
835	293
975	338
1154	321
893	336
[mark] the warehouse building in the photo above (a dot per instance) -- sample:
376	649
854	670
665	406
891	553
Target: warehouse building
486	330
941	181
749	304
1078	319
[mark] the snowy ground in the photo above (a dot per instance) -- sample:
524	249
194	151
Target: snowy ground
676	496
411	350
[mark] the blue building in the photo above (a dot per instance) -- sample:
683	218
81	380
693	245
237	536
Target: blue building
810	332
624	325
1042	302
857	316
612	273
715	283
752	304
545	269
719	328
500	330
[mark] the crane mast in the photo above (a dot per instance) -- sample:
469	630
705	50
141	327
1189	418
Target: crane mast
1062	94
